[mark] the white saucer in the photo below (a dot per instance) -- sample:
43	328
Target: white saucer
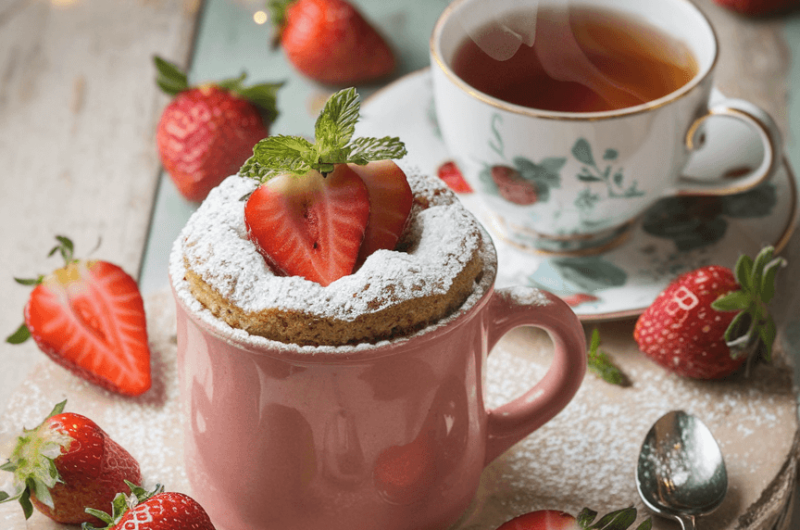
676	235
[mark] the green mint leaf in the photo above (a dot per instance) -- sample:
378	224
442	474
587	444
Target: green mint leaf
333	144
586	516
371	149
170	78
8	466
279	154
743	271
263	96
601	365
768	279
735	301
647	524
337	121
618	520
20	335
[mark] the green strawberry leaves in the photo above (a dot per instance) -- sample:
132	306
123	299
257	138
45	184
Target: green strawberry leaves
33	464
66	248
601	365
172	80
753	325
333	144
121	504
616	520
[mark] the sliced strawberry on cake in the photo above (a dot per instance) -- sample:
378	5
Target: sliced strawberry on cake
390	201
323	207
88	316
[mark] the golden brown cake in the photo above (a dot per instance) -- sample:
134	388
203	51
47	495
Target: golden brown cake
393	294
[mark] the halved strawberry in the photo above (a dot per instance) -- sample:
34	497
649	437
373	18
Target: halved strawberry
311	225
89	317
309	216
390	201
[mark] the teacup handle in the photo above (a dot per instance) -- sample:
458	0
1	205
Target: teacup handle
525	306
768	133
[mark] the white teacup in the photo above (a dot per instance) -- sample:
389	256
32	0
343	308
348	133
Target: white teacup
593	173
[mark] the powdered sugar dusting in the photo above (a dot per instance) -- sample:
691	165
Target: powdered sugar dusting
215	242
527	296
587	455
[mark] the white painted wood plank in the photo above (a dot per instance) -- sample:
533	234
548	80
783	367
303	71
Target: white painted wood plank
78	109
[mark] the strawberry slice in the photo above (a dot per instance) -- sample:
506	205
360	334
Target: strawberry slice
390	201
89	317
310	214
311	225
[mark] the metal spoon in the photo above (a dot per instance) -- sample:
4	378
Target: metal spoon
681	472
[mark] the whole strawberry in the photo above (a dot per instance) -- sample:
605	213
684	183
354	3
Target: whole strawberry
66	464
208	131
153	510
88	317
558	520
759	7
709	321
330	41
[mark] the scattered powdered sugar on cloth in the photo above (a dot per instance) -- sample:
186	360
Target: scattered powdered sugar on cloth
585	456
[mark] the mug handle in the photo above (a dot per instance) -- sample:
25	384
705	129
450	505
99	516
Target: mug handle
510	308
768	133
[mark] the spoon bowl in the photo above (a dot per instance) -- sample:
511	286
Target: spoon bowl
681	472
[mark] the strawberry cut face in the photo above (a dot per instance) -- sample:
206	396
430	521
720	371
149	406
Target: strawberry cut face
89	318
310	226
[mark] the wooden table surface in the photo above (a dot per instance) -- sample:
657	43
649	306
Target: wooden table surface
78	110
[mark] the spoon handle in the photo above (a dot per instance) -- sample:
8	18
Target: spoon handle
687	522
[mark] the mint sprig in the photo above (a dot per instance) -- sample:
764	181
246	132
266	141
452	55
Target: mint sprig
616	520
172	80
601	365
333	144
753	326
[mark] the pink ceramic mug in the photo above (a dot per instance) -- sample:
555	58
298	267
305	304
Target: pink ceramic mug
387	436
